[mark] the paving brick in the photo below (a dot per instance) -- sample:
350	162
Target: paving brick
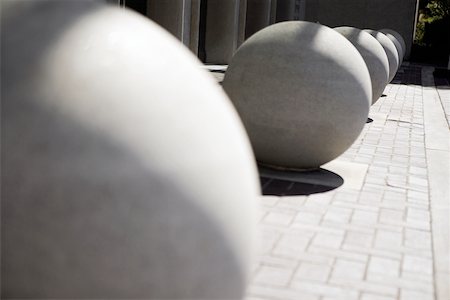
358	239
367	296
309	271
364	217
338	215
346	269
348	255
273	276
278	218
418	195
395	204
323	289
390	216
418	215
365	286
385	266
273	293
387	253
327	240
291	245
417	277
417	264
308	217
414	295
388	239
278	262
417	239
293	203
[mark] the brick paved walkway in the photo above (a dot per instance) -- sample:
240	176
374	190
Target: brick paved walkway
387	239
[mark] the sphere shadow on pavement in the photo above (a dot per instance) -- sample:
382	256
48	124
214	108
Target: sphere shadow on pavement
277	182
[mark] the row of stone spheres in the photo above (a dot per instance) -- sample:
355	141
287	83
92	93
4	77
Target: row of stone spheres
304	90
127	170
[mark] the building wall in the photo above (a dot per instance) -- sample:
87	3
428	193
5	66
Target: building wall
399	15
214	29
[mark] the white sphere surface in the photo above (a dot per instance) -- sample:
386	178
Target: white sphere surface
127	172
303	92
390	33
373	55
390	49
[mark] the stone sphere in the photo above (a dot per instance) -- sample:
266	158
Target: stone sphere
394	35
374	56
303	92
127	172
390	49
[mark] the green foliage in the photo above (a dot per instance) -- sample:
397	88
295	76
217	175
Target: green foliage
438	9
431	13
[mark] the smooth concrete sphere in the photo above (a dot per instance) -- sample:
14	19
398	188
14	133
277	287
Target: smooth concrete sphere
390	49
127	173
303	92
373	55
394	35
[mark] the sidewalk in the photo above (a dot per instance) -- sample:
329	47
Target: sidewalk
383	234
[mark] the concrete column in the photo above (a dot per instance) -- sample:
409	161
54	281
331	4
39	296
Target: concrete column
179	17
225	22
273	11
258	16
171	15
242	21
194	26
300	10
312	10
285	10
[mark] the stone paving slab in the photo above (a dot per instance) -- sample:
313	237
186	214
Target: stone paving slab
376	241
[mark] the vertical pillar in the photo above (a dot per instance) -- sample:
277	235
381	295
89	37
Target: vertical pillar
285	10
258	16
312	10
288	10
179	17
242	21
224	31
169	14
194	26
300	10
273	11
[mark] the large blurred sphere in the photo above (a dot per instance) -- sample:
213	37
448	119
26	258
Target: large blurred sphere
126	172
303	92
390	49
398	41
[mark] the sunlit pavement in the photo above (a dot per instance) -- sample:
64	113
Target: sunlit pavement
384	233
